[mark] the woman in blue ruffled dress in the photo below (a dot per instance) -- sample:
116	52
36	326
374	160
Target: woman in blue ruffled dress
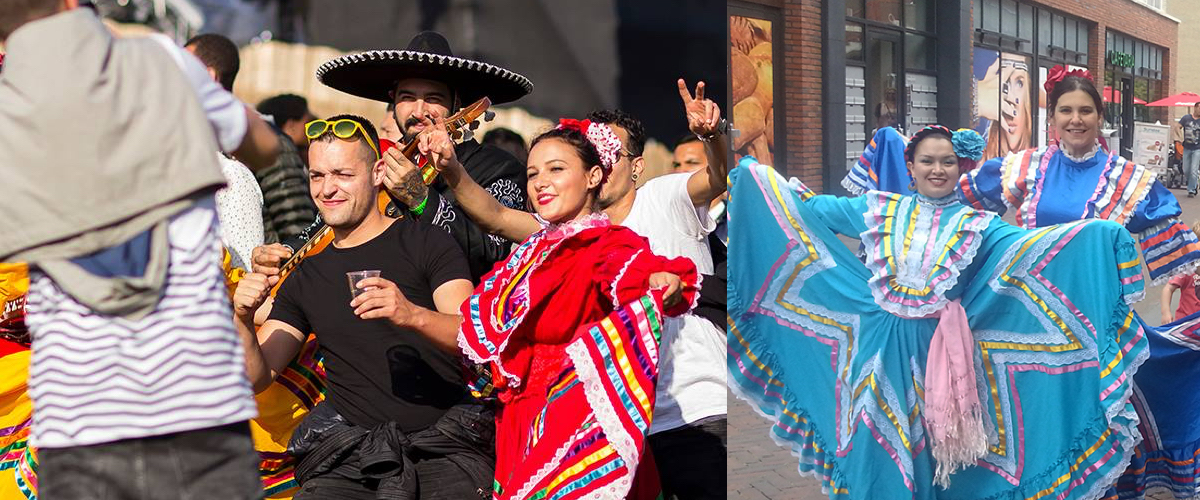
1075	179
966	359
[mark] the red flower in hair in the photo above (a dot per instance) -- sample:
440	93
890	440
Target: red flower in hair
571	123
1058	72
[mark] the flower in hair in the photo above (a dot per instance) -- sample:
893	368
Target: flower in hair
600	135
968	144
1059	72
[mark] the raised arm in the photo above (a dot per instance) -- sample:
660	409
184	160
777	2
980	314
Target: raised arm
704	118
491	215
841	215
238	128
260	146
983	188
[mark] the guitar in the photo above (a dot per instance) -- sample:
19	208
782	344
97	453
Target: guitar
460	126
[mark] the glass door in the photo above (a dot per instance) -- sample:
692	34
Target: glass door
884	78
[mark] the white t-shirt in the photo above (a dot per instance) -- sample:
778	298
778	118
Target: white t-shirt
691	378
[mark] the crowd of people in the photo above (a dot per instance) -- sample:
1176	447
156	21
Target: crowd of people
961	356
257	302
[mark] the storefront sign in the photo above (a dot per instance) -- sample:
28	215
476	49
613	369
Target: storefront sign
1122	59
1151	144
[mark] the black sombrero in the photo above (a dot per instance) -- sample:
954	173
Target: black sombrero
374	74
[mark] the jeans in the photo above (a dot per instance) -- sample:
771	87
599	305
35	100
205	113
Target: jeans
218	462
1191	163
691	460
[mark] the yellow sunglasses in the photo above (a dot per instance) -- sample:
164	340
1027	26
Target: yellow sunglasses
342	129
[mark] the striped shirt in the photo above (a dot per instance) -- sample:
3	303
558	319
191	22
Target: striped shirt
96	379
287	205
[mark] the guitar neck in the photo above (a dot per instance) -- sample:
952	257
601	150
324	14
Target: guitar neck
303	251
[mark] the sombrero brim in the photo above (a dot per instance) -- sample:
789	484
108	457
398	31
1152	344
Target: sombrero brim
374	74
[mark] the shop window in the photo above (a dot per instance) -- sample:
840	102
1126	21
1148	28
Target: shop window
991	15
1060	31
1044	30
1069	36
919	52
884	11
854	8
1026	22
1081	40
1008	18
918	15
854	42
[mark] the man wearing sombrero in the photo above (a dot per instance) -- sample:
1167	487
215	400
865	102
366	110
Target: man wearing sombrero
426	81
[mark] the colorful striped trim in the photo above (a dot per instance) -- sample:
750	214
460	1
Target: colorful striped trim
615	366
1170	249
905	281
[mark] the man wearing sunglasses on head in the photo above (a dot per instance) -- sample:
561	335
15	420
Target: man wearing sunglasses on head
425	82
397	419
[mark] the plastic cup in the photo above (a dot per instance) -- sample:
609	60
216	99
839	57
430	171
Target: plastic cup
355	276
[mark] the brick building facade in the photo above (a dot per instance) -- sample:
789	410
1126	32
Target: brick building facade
838	69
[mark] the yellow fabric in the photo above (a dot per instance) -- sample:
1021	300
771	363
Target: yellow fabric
14	280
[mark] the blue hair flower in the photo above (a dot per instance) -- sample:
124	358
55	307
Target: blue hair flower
968	144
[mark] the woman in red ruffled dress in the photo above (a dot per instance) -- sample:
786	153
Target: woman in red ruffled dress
567	328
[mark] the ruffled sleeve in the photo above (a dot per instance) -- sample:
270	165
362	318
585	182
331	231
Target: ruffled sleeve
841	215
624	270
1169	246
881	167
983	188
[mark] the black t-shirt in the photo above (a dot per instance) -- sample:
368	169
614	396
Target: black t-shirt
378	372
1191	132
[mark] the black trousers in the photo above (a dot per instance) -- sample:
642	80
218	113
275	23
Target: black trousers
691	460
218	462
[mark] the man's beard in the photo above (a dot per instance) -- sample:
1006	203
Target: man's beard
407	128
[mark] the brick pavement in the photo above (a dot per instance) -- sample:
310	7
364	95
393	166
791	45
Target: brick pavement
759	469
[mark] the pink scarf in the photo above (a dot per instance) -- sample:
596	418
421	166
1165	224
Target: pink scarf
953	413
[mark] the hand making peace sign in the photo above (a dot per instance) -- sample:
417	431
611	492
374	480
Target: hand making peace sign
703	115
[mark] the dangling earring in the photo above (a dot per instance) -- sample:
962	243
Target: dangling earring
912	183
634	177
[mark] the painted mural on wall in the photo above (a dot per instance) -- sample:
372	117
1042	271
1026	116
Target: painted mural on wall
751	79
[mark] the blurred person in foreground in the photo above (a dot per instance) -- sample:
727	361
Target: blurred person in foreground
124	255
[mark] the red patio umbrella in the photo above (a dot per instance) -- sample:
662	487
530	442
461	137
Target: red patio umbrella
1180	99
1111	95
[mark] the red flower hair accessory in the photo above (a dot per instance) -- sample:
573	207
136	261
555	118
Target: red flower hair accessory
600	135
1057	73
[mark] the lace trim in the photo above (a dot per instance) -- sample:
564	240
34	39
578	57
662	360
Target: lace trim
1187	268
533	480
563	230
1086	156
525	248
617	281
602	409
945	201
852	187
953	263
1034	180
